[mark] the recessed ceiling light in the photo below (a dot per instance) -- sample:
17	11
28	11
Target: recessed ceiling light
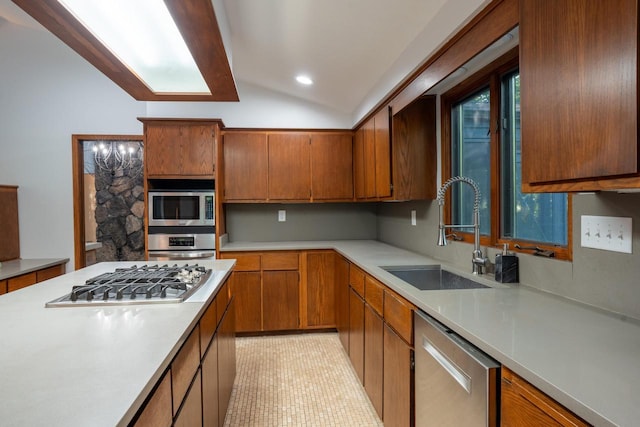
304	80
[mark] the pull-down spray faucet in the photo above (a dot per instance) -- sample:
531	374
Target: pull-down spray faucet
478	261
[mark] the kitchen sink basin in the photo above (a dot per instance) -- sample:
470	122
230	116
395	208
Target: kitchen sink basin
431	277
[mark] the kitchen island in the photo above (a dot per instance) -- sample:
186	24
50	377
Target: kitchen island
584	358
89	366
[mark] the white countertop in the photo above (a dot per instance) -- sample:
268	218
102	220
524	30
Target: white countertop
16	267
88	366
585	358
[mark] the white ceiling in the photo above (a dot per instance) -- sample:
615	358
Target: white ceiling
356	51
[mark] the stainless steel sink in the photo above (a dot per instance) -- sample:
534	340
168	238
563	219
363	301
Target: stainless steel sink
431	277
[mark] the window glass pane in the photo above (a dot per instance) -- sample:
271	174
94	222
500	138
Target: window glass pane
540	217
471	157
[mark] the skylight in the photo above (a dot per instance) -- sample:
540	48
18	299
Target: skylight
143	35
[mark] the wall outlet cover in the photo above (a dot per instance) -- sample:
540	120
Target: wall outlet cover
413	217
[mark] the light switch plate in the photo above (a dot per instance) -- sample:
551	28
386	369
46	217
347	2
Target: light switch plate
413	217
282	215
606	232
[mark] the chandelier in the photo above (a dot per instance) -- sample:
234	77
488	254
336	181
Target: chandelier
118	156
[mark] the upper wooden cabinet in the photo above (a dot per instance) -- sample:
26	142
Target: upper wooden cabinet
261	166
180	147
9	234
579	96
397	163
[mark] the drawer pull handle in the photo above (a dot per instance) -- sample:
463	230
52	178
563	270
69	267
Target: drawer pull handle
461	378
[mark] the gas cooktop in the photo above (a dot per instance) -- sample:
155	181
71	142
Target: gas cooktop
148	284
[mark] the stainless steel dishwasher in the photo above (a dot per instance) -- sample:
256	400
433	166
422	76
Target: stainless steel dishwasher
455	383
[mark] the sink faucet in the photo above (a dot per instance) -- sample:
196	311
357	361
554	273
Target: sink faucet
478	261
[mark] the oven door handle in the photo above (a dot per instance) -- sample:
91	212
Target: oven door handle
182	254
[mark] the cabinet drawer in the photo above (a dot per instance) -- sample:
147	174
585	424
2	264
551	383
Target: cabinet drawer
356	279
374	294
208	324
244	262
3	287
398	313
20	282
184	367
49	273
221	301
280	261
157	413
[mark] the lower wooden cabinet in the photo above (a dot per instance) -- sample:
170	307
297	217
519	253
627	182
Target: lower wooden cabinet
342	300
373	357
210	404
28	279
522	404
247	290
158	412
398	396
190	414
280	300
226	360
21	281
356	333
3	287
320	289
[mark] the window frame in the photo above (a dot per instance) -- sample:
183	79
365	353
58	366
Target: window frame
491	77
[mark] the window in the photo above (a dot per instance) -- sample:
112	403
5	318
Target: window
481	140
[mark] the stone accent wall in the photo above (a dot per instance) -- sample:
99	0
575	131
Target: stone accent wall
119	215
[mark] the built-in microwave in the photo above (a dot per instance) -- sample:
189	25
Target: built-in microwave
181	208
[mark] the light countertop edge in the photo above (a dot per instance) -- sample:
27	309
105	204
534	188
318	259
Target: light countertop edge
582	357
17	267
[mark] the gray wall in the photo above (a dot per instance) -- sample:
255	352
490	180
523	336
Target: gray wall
330	221
607	280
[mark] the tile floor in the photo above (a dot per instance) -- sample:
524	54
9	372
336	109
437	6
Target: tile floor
297	380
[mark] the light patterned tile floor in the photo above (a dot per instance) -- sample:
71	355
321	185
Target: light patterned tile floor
297	380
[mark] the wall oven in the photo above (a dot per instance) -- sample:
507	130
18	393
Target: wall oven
181	225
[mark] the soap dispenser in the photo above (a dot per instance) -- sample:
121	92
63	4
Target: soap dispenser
506	266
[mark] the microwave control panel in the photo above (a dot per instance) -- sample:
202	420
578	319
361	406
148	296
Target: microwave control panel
208	207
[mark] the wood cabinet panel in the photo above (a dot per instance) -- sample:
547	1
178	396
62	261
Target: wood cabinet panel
398	396
191	412
245	158
524	405
398	313
247	291
382	153
356	279
21	281
3	287
210	386
184	367
289	158
578	77
160	149
50	273
359	164
374	294
222	299
198	150
321	289
280	260
226	360
10	236
244	261
281	296
331	166
373	355
415	151
208	323
369	156
342	300
157	412
356	333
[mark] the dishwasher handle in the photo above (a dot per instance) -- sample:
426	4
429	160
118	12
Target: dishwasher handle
458	375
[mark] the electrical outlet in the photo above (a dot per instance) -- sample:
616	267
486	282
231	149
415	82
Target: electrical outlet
606	232
413	218
282	216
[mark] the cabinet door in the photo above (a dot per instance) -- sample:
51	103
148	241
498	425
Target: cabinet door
578	82
373	348
358	164
210	385
331	166
342	300
157	412
21	281
524	405
281	300
3	287
321	289
369	155
289	173
162	151
191	413
382	147
10	236
356	333
198	150
398	399
226	360
245	166
247	290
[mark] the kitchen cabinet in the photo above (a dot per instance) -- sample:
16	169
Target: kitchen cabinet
342	300
245	164
226	360
180	148
28	279
247	289
579	95
331	166
373	357
22	281
157	413
281	299
398	380
373	164
184	367
210	378
10	236
521	404
3	287
356	333
289	173
190	414
320	289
